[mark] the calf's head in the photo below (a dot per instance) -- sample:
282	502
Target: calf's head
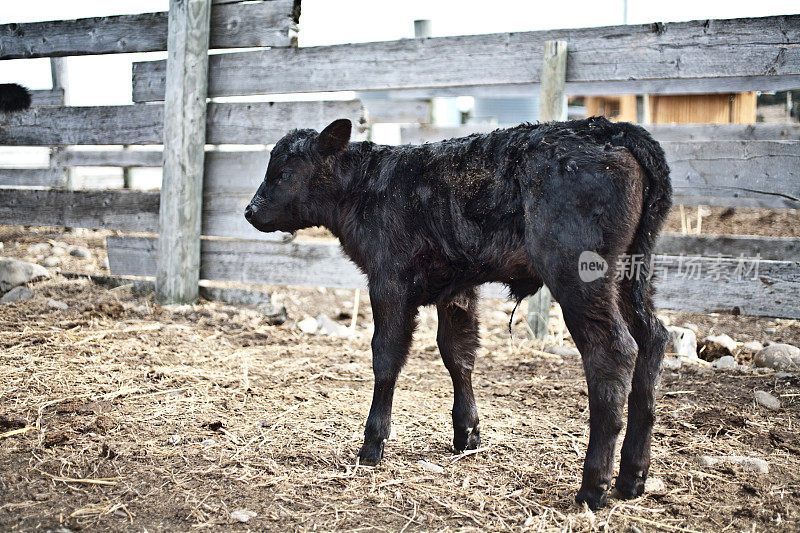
300	187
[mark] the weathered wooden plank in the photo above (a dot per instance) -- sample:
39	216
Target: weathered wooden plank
227	123
31	177
762	288
110	158
124	210
704	285
731	84
764	171
697	49
758	173
422	133
246	261
401	111
772	248
113	210
724	132
244	25
47	97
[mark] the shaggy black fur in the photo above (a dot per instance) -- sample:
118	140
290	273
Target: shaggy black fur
429	223
14	97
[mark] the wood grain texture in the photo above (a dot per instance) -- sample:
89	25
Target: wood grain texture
419	134
770	291
766	173
47	97
227	123
181	208
604	88
772	248
31	177
110	158
698	49
265	23
112	210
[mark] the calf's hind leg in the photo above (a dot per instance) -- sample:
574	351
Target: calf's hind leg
651	336
608	352
457	338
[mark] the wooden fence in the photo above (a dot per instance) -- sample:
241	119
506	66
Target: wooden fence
748	165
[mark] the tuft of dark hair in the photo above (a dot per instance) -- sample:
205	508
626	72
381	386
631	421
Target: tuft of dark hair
14	97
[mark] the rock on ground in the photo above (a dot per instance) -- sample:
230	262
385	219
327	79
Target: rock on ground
750	463
716	346
56	304
308	325
563	351
14	273
17	294
81	252
726	362
767	400
243	515
779	357
682	341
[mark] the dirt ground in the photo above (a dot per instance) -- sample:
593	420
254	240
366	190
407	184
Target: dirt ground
119	414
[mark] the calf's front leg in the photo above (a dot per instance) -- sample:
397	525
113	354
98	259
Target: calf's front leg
458	341
394	326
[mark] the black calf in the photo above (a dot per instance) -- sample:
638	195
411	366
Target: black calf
429	223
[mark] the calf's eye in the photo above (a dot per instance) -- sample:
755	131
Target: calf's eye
285	176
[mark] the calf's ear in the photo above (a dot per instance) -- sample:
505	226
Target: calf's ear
334	137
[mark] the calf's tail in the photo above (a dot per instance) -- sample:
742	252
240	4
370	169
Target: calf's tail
14	97
657	199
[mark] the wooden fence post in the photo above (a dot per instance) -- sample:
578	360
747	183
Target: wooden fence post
184	141
58	73
552	106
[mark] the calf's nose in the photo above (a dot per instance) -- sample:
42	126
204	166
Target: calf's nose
249	212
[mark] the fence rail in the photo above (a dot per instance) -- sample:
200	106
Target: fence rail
766	288
233	25
682	50
227	123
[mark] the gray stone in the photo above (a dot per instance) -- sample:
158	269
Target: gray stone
332	328
654	484
770	331
785	375
682	341
430	467
752	347
276	314
671	363
726	362
39	248
14	273
716	346
767	400
778	357
17	294
81	252
563	351
56	304
308	325
58	251
243	515
51	261
750	463
174	439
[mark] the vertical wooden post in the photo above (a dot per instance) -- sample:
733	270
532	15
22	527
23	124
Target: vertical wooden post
58	73
184	141
552	106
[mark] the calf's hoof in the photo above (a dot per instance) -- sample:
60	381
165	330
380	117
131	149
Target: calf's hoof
629	486
371	453
466	439
594	497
